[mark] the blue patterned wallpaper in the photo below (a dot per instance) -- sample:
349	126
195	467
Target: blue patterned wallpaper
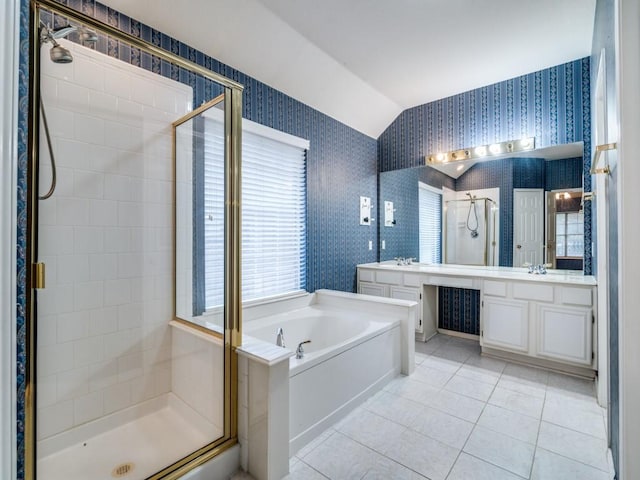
564	174
552	104
341	162
459	310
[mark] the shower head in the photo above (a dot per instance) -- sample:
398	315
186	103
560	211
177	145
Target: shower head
59	54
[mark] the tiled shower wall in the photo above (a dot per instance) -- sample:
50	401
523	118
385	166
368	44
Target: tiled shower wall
106	237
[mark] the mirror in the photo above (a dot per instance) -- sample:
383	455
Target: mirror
497	199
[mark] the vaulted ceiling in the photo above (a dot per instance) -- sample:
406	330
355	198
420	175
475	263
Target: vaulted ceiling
364	61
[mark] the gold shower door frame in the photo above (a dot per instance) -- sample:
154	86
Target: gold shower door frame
232	97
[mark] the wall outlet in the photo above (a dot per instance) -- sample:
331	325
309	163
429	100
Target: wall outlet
384	244
370	244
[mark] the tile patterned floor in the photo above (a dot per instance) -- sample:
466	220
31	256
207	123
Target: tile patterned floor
462	416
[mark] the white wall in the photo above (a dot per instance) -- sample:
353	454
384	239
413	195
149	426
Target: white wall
8	169
628	37
106	237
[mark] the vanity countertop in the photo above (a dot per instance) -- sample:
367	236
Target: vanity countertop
488	272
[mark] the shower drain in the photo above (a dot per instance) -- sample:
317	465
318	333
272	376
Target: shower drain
122	470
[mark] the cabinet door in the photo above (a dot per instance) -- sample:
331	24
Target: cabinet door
412	294
564	333
505	324
372	289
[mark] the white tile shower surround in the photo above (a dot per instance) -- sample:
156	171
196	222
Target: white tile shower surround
462	416
104	342
149	442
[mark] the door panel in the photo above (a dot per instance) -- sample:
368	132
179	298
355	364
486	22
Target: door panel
528	226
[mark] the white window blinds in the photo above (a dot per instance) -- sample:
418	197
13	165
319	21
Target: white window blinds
273	213
430	218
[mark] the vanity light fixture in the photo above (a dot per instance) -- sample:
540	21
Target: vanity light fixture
481	151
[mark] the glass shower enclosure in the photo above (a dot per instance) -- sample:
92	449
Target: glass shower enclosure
121	383
470	231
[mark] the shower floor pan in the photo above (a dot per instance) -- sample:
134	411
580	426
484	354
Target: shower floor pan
168	431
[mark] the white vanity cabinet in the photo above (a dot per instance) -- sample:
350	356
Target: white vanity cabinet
506	324
547	322
393	284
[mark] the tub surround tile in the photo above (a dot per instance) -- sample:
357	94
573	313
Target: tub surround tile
468	467
501	450
550	466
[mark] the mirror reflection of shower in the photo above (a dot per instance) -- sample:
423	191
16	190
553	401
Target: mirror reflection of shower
471	226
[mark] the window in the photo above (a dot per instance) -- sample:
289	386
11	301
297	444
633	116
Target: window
430	213
273	213
569	234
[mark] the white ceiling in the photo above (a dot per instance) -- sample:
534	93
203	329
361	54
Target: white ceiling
364	61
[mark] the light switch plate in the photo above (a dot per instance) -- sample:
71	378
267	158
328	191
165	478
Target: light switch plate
389	220
365	210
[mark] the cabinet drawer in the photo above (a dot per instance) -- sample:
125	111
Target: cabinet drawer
367	275
533	291
393	278
497	289
373	289
456	282
576	296
412	280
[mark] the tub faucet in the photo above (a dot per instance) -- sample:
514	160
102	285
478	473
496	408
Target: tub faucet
300	350
280	338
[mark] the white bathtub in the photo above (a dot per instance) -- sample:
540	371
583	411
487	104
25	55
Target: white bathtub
356	348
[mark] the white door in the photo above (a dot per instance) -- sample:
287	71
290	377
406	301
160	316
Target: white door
528	226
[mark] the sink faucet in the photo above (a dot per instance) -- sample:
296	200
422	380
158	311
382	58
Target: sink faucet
540	269
300	350
404	261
